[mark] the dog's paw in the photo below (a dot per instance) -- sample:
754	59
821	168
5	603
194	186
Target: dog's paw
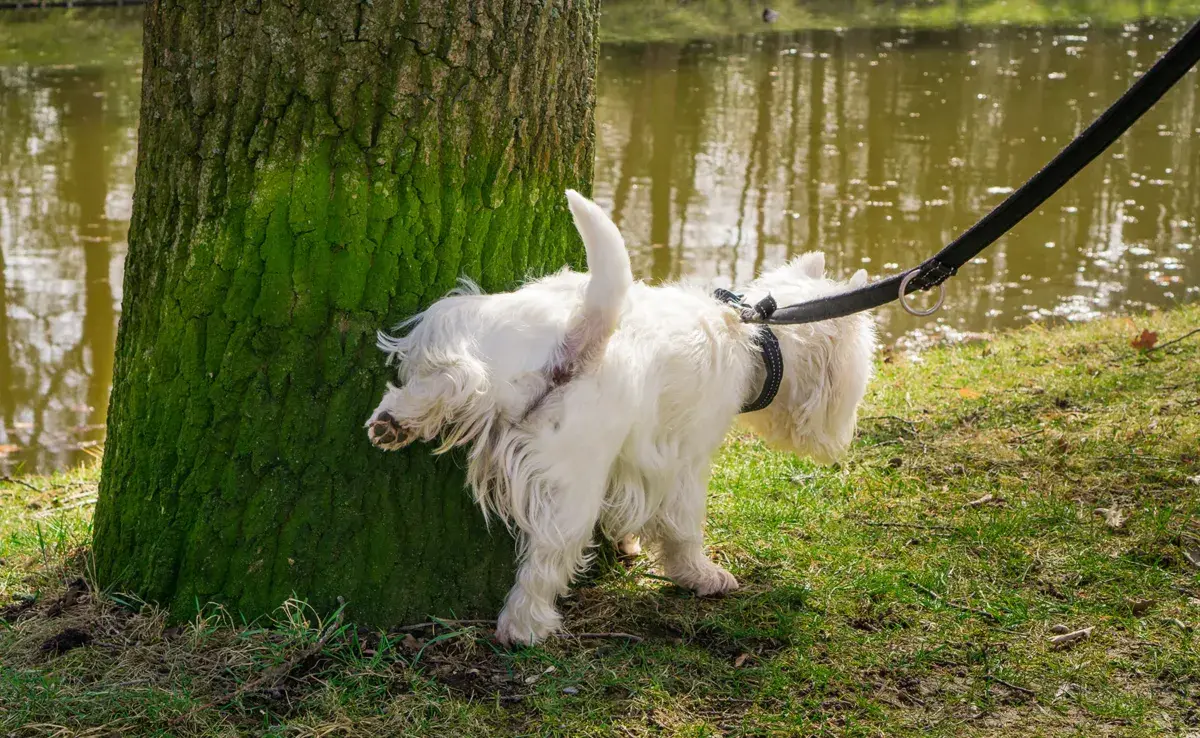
712	582
629	547
512	630
387	434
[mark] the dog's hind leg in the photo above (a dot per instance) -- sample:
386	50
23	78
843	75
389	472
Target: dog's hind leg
679	525
553	548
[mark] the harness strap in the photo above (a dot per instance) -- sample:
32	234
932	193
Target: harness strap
768	345
1106	129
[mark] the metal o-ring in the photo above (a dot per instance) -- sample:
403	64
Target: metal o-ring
909	308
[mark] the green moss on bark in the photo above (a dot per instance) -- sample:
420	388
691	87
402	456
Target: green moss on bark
307	176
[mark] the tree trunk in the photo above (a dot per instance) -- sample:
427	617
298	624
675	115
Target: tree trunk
308	174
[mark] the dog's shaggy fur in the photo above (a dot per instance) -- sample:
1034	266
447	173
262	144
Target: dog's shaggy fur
591	398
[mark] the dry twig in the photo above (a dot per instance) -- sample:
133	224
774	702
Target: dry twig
1172	342
918	526
63	508
1069	639
911	425
951	603
1010	685
989	497
22	482
442	623
627	636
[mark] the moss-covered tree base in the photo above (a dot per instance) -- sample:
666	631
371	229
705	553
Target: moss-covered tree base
307	175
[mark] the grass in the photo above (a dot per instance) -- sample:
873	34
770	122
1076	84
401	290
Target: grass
910	591
679	20
98	37
112	37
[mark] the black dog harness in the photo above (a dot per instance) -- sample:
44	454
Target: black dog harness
768	344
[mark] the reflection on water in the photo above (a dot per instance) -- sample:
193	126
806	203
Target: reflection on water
66	172
879	147
717	160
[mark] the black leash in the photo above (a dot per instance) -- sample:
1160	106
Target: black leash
1079	153
768	345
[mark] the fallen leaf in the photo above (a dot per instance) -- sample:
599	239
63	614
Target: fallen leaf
1146	341
741	659
1070	689
969	394
1193	556
8	448
410	643
534	678
1113	517
1067	640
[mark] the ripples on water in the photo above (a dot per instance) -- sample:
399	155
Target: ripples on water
717	159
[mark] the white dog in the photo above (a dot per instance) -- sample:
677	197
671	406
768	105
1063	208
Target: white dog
591	398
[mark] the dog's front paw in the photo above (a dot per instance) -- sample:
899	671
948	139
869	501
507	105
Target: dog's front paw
713	581
386	433
515	630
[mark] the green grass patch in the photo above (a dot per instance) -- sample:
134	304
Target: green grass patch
103	37
680	20
912	590
113	37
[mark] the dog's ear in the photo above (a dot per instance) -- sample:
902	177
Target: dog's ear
859	279
810	265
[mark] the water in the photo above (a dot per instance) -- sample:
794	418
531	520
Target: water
717	159
67	148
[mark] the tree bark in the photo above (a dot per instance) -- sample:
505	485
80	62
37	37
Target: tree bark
307	174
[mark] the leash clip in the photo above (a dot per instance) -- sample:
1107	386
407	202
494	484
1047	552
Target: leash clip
761	312
938	278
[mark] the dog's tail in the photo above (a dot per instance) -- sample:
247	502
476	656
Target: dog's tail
610	278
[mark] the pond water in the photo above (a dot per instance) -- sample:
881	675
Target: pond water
718	159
